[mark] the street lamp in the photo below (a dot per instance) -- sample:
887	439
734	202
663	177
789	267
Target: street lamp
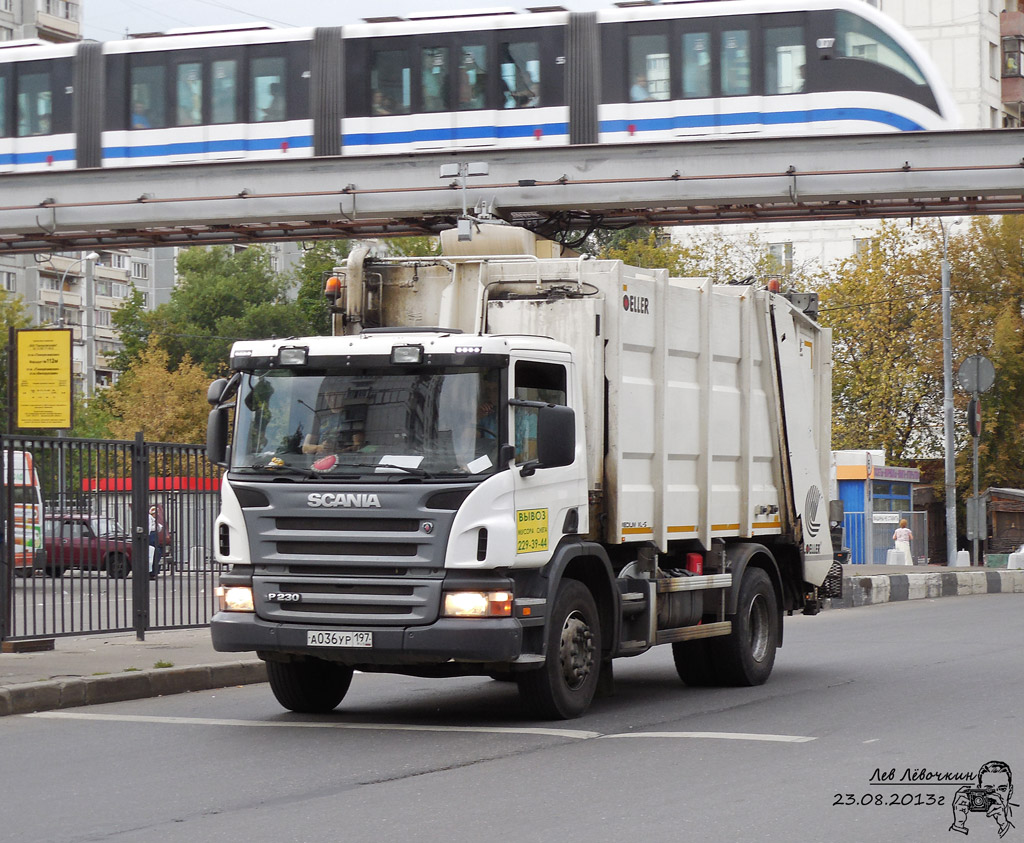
91	256
947	404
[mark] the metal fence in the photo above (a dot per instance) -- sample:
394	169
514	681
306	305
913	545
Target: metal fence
77	557
869	535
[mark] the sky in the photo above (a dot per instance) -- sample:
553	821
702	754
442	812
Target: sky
108	20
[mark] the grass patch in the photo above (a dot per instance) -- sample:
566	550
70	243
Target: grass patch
162	664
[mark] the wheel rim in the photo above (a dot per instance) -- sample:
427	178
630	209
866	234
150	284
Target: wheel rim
759	625
576	651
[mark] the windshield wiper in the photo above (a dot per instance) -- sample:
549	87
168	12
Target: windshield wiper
281	469
418	472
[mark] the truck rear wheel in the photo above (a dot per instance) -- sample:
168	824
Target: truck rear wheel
309	687
564	687
747	655
694	663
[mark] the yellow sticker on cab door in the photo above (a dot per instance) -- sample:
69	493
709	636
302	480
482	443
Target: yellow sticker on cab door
531	530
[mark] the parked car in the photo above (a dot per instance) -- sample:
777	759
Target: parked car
86	542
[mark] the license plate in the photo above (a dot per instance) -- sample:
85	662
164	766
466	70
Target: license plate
326	638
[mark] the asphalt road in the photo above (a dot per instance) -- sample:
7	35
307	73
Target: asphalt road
933	685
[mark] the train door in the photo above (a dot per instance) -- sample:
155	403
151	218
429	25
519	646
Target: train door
38	115
696	109
739	102
225	125
784	52
6	120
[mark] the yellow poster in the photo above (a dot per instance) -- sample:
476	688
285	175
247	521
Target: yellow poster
531	530
43	381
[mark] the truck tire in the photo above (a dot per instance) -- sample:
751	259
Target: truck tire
309	687
746	656
564	687
694	663
118	567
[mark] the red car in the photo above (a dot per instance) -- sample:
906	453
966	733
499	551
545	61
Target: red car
90	543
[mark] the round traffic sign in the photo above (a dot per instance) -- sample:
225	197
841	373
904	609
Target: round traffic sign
976	374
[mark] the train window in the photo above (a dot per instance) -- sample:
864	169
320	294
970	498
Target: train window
520	73
649	73
190	94
735	58
434	79
35	104
224	85
390	82
859	39
148	103
696	65
3	106
267	94
472	78
784	59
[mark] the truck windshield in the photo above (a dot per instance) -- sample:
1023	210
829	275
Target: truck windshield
426	422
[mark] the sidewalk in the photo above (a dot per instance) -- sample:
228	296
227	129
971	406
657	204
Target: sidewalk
98	669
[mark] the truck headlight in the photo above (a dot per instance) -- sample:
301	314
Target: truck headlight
477	604
234	598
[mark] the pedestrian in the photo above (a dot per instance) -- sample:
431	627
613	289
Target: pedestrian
156	549
903	537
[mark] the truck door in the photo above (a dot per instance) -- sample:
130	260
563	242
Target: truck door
548	500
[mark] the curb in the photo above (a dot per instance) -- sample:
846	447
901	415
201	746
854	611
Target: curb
893	588
91	690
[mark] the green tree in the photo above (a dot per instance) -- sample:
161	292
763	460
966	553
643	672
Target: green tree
882	307
13	314
316	263
133	324
222	296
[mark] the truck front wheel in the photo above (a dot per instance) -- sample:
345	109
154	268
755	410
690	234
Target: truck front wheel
564	687
747	655
309	687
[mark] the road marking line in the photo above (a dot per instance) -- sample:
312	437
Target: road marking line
719	736
576	734
306	724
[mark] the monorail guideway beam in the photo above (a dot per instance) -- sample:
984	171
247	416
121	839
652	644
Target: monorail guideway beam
692	182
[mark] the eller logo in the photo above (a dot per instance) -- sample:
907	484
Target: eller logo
636	304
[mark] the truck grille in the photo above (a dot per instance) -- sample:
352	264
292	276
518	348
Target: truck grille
349	566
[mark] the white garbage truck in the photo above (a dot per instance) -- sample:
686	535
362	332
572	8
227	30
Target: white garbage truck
508	463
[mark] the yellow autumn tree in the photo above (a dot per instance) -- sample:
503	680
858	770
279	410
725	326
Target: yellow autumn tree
167	406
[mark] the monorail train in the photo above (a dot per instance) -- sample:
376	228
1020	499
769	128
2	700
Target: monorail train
634	73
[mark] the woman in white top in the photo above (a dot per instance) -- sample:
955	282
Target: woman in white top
903	537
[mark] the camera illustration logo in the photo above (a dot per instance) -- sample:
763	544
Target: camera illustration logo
991	799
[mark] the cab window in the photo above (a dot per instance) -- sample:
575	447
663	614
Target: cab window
535	382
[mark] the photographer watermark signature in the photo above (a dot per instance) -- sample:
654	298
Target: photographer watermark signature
991	798
980	801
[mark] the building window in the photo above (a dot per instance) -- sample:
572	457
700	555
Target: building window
1013	46
103	288
7	279
140	270
47	314
863	245
781	255
51	282
6	33
118	291
61	9
7	5
118	261
103	318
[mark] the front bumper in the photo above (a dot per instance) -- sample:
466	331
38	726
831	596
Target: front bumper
445	640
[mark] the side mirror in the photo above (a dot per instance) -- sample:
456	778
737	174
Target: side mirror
556	435
217	435
216	391
556	439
